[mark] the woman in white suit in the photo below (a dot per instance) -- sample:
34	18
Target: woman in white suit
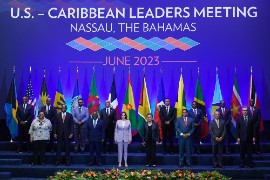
123	137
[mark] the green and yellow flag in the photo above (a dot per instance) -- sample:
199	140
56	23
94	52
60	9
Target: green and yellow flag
59	98
181	98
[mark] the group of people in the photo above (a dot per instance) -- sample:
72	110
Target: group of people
97	129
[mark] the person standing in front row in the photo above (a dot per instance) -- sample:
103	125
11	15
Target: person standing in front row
184	128
63	131
39	135
245	136
122	137
80	118
167	115
217	129
96	135
197	116
150	139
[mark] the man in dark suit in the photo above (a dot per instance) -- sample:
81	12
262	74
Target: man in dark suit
108	115
63	131
184	128
255	115
197	116
25	115
96	135
217	131
50	113
167	115
245	136
226	115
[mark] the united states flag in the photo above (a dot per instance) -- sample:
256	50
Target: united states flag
30	94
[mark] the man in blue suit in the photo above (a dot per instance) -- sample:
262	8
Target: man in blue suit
184	128
80	118
96	135
197	116
226	115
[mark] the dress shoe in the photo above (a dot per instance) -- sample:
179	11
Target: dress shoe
98	164
67	163
57	163
171	153
242	166
220	166
154	165
258	153
33	163
188	165
180	165
91	164
76	150
43	164
126	165
111	152
250	166
215	166
19	150
147	165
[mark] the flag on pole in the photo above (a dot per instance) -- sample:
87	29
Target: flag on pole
76	95
217	96
30	93
180	103
253	95
11	106
236	105
59	98
129	107
201	105
144	107
43	95
159	103
113	98
93	99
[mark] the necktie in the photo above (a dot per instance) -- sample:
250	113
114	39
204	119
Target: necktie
195	112
223	111
80	109
47	109
252	110
64	117
108	112
185	121
167	109
246	120
24	107
217	123
95	123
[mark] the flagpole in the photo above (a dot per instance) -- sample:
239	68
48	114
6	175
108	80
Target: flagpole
234	69
77	72
14	68
198	70
251	70
129	70
44	70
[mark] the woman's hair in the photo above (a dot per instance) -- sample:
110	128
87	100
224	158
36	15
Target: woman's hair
41	112
125	114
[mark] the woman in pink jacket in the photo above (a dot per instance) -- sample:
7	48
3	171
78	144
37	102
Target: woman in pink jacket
123	137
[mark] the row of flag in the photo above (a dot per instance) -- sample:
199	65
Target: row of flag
129	107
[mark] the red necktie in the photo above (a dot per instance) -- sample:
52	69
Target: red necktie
223	111
185	121
64	117
252	111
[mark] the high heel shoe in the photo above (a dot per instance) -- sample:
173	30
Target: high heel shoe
119	165
126	165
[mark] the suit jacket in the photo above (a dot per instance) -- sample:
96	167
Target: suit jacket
256	117
198	118
80	117
170	117
227	117
96	134
245	133
216	131
65	128
27	115
51	113
180	127
155	132
122	134
108	120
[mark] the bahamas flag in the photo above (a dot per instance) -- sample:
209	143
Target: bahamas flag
144	107
129	107
11	106
217	96
59	98
76	95
180	103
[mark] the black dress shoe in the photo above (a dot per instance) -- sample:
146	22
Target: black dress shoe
188	165
91	164
43	164
98	164
76	150
215	166
57	163
19	150
220	166
180	165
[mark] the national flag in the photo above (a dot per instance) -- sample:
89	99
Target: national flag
144	107
201	105
236	105
30	94
217	96
129	107
180	103
253	95
159	104
76	95
113	98
43	95
59	98
11	106
93	99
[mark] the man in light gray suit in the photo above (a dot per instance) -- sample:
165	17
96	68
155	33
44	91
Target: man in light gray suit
184	127
80	118
217	130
